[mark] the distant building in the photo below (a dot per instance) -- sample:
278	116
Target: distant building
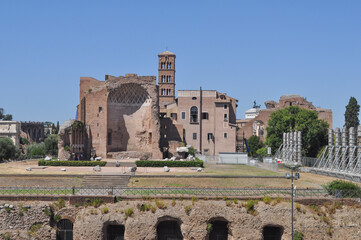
257	125
10	129
34	131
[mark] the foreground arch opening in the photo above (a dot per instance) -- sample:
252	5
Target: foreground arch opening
272	232
217	229
64	230
169	229
113	231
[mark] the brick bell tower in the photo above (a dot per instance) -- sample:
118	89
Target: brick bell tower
166	79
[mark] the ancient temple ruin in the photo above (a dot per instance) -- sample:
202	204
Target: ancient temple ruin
122	116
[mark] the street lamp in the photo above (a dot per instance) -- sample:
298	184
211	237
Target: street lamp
296	176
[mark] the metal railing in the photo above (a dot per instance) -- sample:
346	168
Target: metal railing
178	192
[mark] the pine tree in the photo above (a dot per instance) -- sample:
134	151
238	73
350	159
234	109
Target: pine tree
351	113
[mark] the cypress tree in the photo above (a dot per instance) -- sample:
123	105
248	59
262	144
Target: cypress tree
351	113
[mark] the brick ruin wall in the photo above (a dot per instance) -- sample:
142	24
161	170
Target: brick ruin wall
90	222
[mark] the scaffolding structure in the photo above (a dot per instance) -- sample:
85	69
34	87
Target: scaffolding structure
341	158
290	151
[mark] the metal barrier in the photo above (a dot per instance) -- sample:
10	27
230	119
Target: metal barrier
179	192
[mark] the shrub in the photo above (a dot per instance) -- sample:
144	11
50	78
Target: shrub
298	207
34	228
105	210
57	217
8	210
145	207
298	235
160	204
128	212
194	200
47	211
188	209
150	163
267	200
250	207
344	188
35	150
60	203
153	209
173	202
209	228
97	202
71	163
235	201
228	203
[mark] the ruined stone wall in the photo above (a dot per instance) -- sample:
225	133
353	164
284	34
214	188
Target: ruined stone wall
321	222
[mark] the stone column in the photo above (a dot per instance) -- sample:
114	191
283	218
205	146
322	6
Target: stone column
344	139
352	145
330	145
299	146
284	145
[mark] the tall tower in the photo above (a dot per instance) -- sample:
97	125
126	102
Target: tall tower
166	79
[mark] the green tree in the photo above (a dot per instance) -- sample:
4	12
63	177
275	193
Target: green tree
35	150
314	131
254	143
5	117
7	149
351	113
51	145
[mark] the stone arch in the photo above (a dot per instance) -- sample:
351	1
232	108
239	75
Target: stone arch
112	230
272	232
169	228
218	230
64	229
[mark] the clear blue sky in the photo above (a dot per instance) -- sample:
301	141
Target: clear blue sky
251	50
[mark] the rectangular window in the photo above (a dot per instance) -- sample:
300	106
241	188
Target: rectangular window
225	117
110	137
205	115
210	136
183	115
163	78
100	109
169	79
225	106
194	136
163	91
162	65
225	135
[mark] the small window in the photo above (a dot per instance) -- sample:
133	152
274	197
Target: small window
163	78
162	65
163	92
100	109
169	79
183	115
210	136
205	115
225	117
225	135
194	136
97	124
169	65
225	106
194	98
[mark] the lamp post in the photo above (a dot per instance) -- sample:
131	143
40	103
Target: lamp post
296	176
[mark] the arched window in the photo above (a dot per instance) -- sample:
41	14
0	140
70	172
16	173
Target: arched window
114	232
272	232
218	230
194	114
65	230
169	230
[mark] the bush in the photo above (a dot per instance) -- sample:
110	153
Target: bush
344	188
51	145
7	149
267	200
36	149
150	163
250	207
57	217
72	163
298	235
188	209
128	212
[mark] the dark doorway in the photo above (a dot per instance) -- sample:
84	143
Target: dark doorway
272	233
169	230
65	230
219	230
115	232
